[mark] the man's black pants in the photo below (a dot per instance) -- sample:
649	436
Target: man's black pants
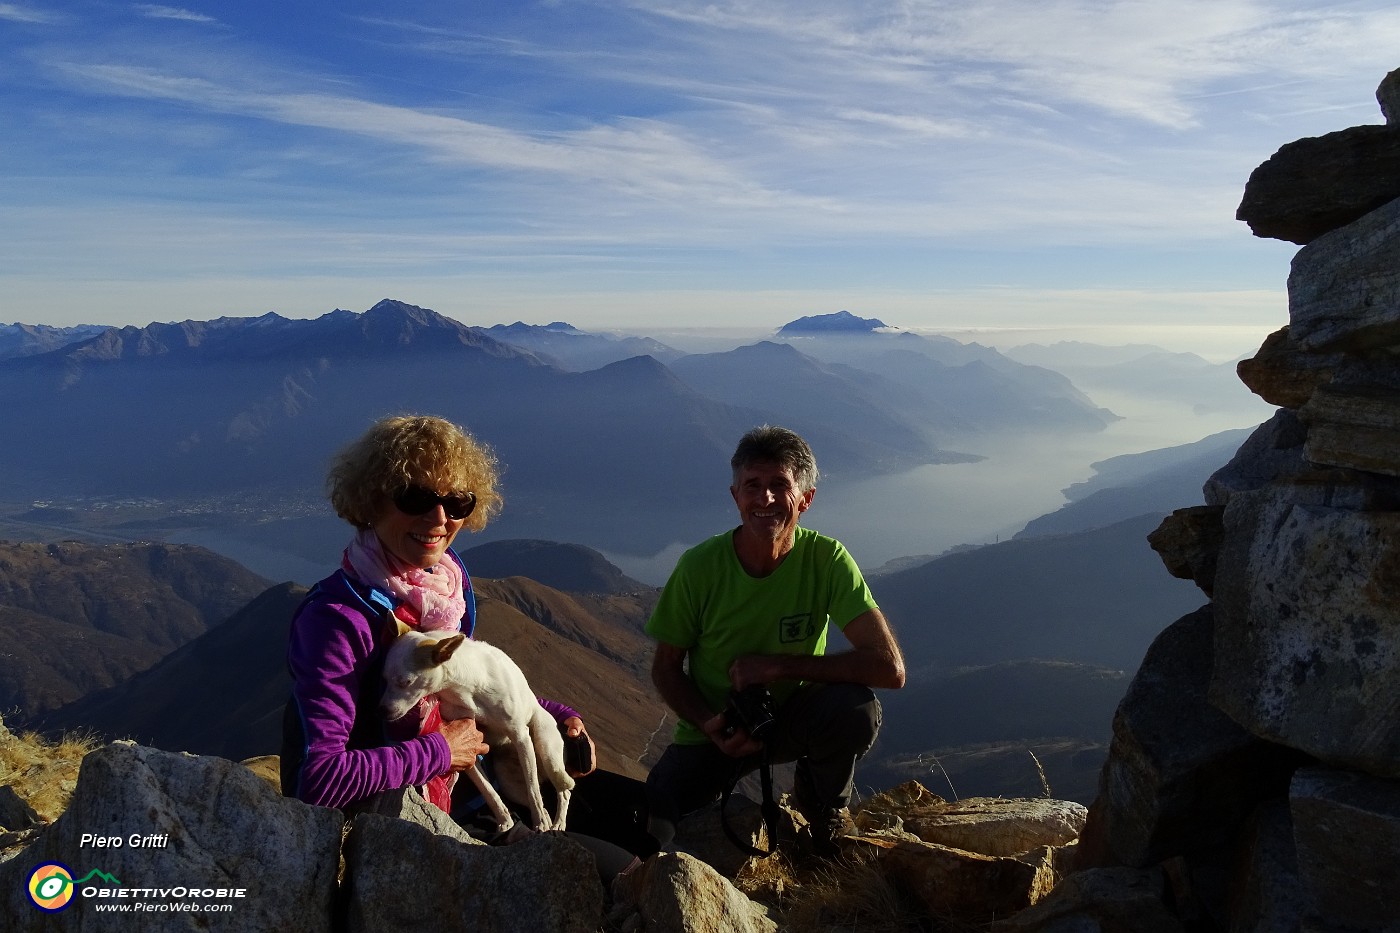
825	728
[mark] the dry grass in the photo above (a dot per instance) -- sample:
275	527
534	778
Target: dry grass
849	895
1044	781
43	773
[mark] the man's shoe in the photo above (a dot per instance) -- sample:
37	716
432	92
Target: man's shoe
827	827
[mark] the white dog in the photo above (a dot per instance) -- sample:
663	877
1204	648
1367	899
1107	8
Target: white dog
479	681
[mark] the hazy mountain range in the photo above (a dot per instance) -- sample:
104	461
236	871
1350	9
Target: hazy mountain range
1147	371
254	408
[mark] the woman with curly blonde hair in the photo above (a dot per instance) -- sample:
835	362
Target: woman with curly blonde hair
409	485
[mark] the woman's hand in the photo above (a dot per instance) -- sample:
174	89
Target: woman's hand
573	727
466	742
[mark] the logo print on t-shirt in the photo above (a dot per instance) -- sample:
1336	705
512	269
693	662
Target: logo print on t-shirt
792	629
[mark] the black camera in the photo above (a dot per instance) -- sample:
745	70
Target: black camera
751	709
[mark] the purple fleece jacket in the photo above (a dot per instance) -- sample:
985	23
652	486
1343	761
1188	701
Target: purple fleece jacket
336	676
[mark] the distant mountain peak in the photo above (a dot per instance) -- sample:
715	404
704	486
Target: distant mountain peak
842	322
521	329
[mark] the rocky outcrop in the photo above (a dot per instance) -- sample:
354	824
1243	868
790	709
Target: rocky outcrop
1253	782
1315	185
193	842
1319	184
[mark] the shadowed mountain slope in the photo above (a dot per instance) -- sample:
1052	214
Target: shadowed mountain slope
79	617
570	567
1096	597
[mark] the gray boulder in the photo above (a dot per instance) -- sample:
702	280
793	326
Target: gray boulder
1180	776
1388	96
166	833
1316	185
15	812
1347	828
402	876
1100	900
1344	287
1273	451
678	893
1307	609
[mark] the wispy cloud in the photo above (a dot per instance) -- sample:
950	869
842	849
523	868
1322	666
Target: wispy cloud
22	14
155	11
1132	58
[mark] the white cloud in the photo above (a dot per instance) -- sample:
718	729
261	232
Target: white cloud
23	14
1143	59
640	156
155	11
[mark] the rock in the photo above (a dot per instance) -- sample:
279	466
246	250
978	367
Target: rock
1188	541
1388	96
183	822
1353	426
1180	776
1268	895
267	767
701	834
14	843
965	885
1307	608
1347	829
987	825
399	876
408	804
1100	900
999	826
15	811
1274	451
1316	185
677	893
1283	374
1344	287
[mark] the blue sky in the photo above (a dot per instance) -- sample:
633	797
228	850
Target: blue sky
652	164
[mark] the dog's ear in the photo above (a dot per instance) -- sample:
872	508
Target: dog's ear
400	627
444	649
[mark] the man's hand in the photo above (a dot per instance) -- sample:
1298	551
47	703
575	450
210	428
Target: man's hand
749	669
735	742
466	742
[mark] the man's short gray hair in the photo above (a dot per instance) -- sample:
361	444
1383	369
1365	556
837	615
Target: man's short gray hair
772	444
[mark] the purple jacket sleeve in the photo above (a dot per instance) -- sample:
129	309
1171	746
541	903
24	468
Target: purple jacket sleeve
558	710
328	652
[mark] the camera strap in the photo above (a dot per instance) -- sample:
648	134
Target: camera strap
768	807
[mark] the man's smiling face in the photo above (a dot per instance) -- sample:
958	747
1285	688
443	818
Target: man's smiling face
769	500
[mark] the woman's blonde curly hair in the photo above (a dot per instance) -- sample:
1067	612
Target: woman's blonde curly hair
412	450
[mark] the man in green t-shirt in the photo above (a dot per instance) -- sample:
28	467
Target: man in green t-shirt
750	607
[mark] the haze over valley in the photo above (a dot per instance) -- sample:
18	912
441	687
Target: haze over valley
218	432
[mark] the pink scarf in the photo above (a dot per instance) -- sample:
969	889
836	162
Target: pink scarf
429	602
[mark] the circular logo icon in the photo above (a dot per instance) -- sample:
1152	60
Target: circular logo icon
51	886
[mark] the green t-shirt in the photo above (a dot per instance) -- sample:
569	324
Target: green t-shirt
717	612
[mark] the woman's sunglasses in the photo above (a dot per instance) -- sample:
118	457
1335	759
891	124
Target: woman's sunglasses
415	500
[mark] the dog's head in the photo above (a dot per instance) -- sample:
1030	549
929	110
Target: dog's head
413	670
